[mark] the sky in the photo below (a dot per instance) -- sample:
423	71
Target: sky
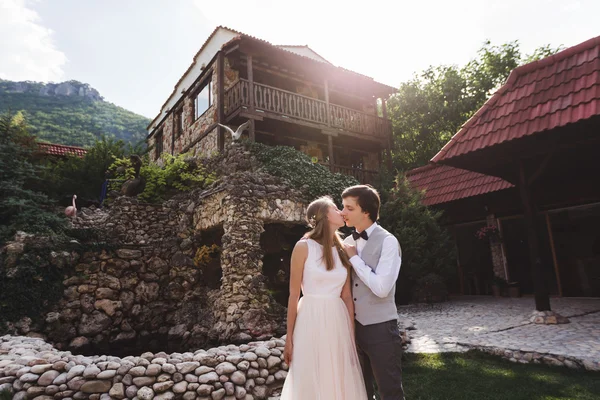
134	51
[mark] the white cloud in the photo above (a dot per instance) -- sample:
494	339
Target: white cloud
27	49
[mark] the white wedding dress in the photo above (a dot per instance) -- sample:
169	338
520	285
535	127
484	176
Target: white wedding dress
324	363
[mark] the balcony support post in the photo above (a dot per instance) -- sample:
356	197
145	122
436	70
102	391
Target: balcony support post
330	147
390	136
251	130
327	111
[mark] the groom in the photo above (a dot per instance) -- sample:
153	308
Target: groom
375	255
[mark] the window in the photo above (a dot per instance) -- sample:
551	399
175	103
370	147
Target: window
179	122
158	144
203	99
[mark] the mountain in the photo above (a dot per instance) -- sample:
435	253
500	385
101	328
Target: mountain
70	112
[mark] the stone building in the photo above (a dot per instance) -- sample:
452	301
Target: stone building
291	95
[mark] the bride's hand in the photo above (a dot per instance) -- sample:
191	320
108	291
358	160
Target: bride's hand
287	351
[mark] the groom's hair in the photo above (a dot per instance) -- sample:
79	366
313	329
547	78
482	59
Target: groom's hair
366	197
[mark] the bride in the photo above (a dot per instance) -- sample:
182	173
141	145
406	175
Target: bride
320	348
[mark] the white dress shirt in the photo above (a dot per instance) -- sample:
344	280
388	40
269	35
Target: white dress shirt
388	268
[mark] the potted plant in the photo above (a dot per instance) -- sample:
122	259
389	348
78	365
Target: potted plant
498	285
488	232
513	289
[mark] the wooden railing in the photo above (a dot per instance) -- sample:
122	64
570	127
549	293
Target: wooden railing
362	175
292	105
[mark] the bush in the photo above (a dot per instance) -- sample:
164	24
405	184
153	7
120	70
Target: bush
297	169
427	248
22	206
430	289
84	176
177	174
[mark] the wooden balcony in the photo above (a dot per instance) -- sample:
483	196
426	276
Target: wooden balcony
281	104
362	175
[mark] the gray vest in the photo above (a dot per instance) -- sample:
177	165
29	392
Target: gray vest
369	308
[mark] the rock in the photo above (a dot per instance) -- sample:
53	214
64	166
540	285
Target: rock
93	324
146	292
91	371
129	254
204	390
280	375
79	342
108	374
261	392
240	392
153	369
61	379
29	377
145	393
187	367
106	294
144	381
273	361
110	307
261	351
169	368
117	391
137	371
48	378
238	378
225	368
162	386
203	370
180	387
210	377
96	386
218	394
41	368
131	391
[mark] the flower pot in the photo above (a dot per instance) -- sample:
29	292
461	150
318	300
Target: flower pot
513	291
497	291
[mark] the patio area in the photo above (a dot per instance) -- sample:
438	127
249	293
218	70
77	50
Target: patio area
501	326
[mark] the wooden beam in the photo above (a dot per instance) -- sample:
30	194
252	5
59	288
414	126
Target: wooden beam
330	148
503	249
542	298
390	138
461	276
250	71
220	100
327	112
553	250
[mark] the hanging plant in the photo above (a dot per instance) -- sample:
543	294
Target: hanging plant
488	232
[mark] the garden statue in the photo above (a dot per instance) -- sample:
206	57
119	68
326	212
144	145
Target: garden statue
135	186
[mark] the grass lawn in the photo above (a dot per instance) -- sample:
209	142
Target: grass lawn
479	376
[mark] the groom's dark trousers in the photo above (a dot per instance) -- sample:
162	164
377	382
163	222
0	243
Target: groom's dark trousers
380	352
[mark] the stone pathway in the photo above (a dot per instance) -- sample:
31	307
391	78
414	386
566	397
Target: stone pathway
503	324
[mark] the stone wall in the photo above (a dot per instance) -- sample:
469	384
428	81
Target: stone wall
147	292
31	368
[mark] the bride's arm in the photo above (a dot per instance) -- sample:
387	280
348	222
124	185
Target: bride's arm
296	271
347	298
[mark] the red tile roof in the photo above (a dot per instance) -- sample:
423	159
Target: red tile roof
61	150
539	96
443	183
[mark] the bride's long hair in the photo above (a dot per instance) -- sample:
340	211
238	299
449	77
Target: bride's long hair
316	216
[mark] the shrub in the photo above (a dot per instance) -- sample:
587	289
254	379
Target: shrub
177	173
298	170
426	246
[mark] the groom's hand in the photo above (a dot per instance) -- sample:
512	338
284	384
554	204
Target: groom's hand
350	250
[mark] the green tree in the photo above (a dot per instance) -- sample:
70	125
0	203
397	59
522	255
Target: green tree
84	176
428	249
430	108
21	206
